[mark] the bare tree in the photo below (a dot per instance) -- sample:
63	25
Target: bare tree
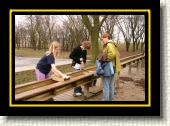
50	22
142	41
123	24
20	34
74	29
140	33
118	36
32	31
38	27
17	38
93	27
137	28
108	25
44	33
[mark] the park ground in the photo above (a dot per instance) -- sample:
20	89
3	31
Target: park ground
131	87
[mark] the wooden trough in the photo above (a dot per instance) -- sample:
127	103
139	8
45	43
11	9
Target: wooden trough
48	88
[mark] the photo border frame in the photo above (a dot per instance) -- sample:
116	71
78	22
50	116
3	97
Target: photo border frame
79	105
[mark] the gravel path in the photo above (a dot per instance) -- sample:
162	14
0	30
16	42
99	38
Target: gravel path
22	61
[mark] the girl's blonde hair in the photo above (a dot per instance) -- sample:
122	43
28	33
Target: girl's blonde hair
52	48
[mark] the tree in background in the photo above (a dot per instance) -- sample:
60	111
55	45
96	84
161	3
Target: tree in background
137	26
93	25
123	25
38	31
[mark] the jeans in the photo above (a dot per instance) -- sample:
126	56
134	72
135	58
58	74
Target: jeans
108	88
77	89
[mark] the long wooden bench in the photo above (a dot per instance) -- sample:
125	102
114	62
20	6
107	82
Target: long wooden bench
129	57
36	84
56	88
128	62
48	88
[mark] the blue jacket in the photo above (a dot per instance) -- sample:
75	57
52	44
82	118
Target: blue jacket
104	68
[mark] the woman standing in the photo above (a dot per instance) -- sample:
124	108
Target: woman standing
109	48
79	58
47	63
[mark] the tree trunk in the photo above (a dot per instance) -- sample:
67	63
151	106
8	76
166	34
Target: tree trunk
39	43
127	46
137	45
142	45
94	41
133	46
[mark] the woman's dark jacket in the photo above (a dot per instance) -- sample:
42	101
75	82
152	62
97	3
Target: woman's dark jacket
78	53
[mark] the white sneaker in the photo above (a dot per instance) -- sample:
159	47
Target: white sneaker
78	94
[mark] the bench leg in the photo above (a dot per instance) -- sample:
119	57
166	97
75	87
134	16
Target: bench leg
116	80
86	90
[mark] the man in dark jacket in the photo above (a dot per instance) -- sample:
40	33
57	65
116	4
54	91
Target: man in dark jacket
78	55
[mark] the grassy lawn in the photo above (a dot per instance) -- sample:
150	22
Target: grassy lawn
27	52
29	76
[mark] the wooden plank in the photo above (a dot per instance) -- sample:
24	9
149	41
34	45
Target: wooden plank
86	87
45	98
130	57
58	78
32	85
129	71
35	98
132	60
37	84
81	72
63	90
116	80
95	89
64	97
58	92
90	95
86	90
138	66
59	98
69	94
36	91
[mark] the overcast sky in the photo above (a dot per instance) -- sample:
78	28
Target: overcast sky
20	18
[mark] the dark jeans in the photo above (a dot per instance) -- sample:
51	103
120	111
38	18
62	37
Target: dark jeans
77	89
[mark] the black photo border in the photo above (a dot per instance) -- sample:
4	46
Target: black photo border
144	105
